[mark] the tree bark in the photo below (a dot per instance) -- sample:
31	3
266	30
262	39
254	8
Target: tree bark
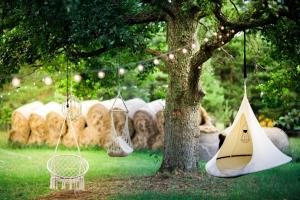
181	117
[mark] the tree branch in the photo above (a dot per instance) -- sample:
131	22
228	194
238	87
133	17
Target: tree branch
142	18
254	20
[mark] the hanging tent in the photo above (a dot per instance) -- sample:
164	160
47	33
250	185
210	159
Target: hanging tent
246	148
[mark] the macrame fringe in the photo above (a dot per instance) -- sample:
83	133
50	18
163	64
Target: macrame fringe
67	183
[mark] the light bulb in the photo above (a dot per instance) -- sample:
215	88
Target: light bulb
156	61
16	82
205	39
48	80
1	96
222	42
220	36
194	46
171	56
77	78
215	34
101	74
184	50
232	31
121	71
140	67
222	27
227	34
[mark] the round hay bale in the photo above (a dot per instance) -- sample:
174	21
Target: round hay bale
98	126
38	125
86	105
206	146
75	128
20	126
144	121
134	105
278	137
157	141
56	125
206	124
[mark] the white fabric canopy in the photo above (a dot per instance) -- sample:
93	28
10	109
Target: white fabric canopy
246	148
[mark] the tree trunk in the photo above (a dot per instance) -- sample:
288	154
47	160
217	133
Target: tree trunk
181	117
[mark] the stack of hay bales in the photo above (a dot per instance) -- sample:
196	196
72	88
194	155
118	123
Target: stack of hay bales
144	121
56	124
20	122
38	125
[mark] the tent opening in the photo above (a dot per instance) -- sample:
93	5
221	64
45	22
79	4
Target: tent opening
237	149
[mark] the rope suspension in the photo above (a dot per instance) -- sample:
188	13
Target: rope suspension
245	63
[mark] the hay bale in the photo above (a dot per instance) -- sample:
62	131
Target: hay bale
157	141
144	121
206	124
86	105
75	128
98	126
278	137
134	105
56	125
20	126
38	125
206	146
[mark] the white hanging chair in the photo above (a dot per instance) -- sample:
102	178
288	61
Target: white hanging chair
67	170
121	146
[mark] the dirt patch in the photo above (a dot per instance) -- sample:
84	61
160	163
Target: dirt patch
182	184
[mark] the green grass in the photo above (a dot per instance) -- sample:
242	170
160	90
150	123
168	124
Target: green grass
23	175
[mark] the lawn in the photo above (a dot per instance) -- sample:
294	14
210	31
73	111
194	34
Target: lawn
23	175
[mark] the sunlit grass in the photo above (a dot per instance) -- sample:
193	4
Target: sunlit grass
23	175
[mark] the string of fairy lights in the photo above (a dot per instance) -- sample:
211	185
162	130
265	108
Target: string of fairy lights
121	69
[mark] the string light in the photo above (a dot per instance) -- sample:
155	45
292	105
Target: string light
194	46
77	78
232	31
140	67
184	50
215	34
222	42
16	82
171	56
156	61
222	27
220	36
33	83
227	34
101	74
48	80
121	71
205	39
1	96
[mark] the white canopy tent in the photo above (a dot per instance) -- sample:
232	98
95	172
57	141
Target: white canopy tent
246	148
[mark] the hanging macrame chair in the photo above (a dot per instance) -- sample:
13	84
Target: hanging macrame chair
120	146
67	170
246	148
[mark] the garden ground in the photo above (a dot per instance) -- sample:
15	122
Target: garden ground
23	175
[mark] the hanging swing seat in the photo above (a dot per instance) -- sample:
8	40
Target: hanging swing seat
121	146
67	170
